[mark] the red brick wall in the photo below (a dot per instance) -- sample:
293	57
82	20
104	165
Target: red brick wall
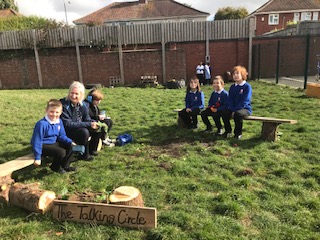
59	66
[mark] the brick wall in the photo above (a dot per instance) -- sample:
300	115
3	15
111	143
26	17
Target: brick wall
59	66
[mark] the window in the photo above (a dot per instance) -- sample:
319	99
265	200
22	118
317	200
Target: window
306	16
315	16
296	17
273	19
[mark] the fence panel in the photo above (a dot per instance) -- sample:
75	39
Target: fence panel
129	34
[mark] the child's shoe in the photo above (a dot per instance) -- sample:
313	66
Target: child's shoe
37	163
219	132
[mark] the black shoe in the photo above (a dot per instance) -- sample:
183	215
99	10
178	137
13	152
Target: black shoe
238	136
59	170
70	169
89	158
227	135
94	153
208	130
219	132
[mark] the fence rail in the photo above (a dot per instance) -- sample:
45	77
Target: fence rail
132	34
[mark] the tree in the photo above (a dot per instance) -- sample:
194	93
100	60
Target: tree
231	13
5	4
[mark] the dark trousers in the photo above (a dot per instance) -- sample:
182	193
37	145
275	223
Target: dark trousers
109	123
189	118
224	114
238	120
201	79
81	135
61	153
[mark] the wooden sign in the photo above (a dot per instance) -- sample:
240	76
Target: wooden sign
108	214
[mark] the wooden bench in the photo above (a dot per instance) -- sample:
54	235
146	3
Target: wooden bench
269	131
7	168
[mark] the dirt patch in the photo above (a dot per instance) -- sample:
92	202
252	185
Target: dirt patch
96	197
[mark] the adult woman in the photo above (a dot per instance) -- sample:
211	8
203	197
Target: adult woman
77	122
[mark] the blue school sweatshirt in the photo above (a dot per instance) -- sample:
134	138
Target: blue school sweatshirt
195	100
47	132
240	97
219	99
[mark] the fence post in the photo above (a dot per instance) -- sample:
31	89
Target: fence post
120	54
207	43
251	35
278	62
36	54
78	54
306	65
163	44
259	60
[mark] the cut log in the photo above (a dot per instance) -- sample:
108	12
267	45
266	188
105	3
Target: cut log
5	182
31	198
126	195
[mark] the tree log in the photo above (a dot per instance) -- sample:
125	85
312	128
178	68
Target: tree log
125	195
30	197
5	182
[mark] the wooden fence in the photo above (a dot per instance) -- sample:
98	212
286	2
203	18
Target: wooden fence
126	35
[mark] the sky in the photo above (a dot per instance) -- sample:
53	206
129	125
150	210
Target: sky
70	10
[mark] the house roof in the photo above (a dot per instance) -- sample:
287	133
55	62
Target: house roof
287	6
4	13
140	10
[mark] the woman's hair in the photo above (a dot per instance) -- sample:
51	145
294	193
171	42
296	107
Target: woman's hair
196	80
81	88
55	103
242	70
96	95
218	77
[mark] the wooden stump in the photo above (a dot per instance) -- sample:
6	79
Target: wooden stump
269	131
125	195
30	197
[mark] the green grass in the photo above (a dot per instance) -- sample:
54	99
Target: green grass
204	187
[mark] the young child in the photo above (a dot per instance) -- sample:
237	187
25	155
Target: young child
93	99
194	103
217	107
239	101
49	139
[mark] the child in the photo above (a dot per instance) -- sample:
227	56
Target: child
49	139
194	103
239	101
217	107
93	99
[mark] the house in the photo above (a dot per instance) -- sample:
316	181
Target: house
276	14
6	13
142	11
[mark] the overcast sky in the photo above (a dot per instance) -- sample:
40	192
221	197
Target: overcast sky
75	9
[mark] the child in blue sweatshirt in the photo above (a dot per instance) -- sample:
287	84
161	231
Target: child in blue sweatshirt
194	102
49	139
217	108
239	101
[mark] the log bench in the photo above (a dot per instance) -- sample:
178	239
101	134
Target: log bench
7	168
269	131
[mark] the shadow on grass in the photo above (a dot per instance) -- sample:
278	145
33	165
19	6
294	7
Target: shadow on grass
165	135
8	156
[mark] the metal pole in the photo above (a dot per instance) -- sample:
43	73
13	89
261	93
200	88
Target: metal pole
120	54
306	65
65	11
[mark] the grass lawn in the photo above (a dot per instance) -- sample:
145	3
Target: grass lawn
203	186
